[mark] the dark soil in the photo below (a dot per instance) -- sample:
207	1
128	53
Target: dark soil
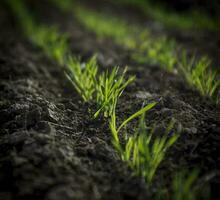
50	148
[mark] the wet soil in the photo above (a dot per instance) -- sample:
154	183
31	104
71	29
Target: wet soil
50	148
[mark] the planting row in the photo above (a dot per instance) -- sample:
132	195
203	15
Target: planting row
142	152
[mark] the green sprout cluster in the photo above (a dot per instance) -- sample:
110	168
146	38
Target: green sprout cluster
142	153
199	75
82	76
183	185
109	87
156	51
105	87
44	37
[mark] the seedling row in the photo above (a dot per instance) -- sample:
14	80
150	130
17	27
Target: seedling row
160	51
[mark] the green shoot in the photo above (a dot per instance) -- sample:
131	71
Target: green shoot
109	88
105	88
115	130
184	186
157	51
145	154
53	44
83	76
199	75
142	153
138	113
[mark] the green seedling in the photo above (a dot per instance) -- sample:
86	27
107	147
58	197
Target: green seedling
115	130
104	88
145	154
47	38
199	75
158	51
109	88
83	77
53	44
142	153
184	186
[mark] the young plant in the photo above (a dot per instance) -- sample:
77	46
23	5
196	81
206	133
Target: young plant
183	186
115	130
83	77
105	88
47	38
145	154
199	75
53	44
156	51
142	153
109	88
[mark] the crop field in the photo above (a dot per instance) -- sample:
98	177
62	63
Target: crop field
109	100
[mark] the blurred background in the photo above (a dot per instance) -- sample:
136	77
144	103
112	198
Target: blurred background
210	6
